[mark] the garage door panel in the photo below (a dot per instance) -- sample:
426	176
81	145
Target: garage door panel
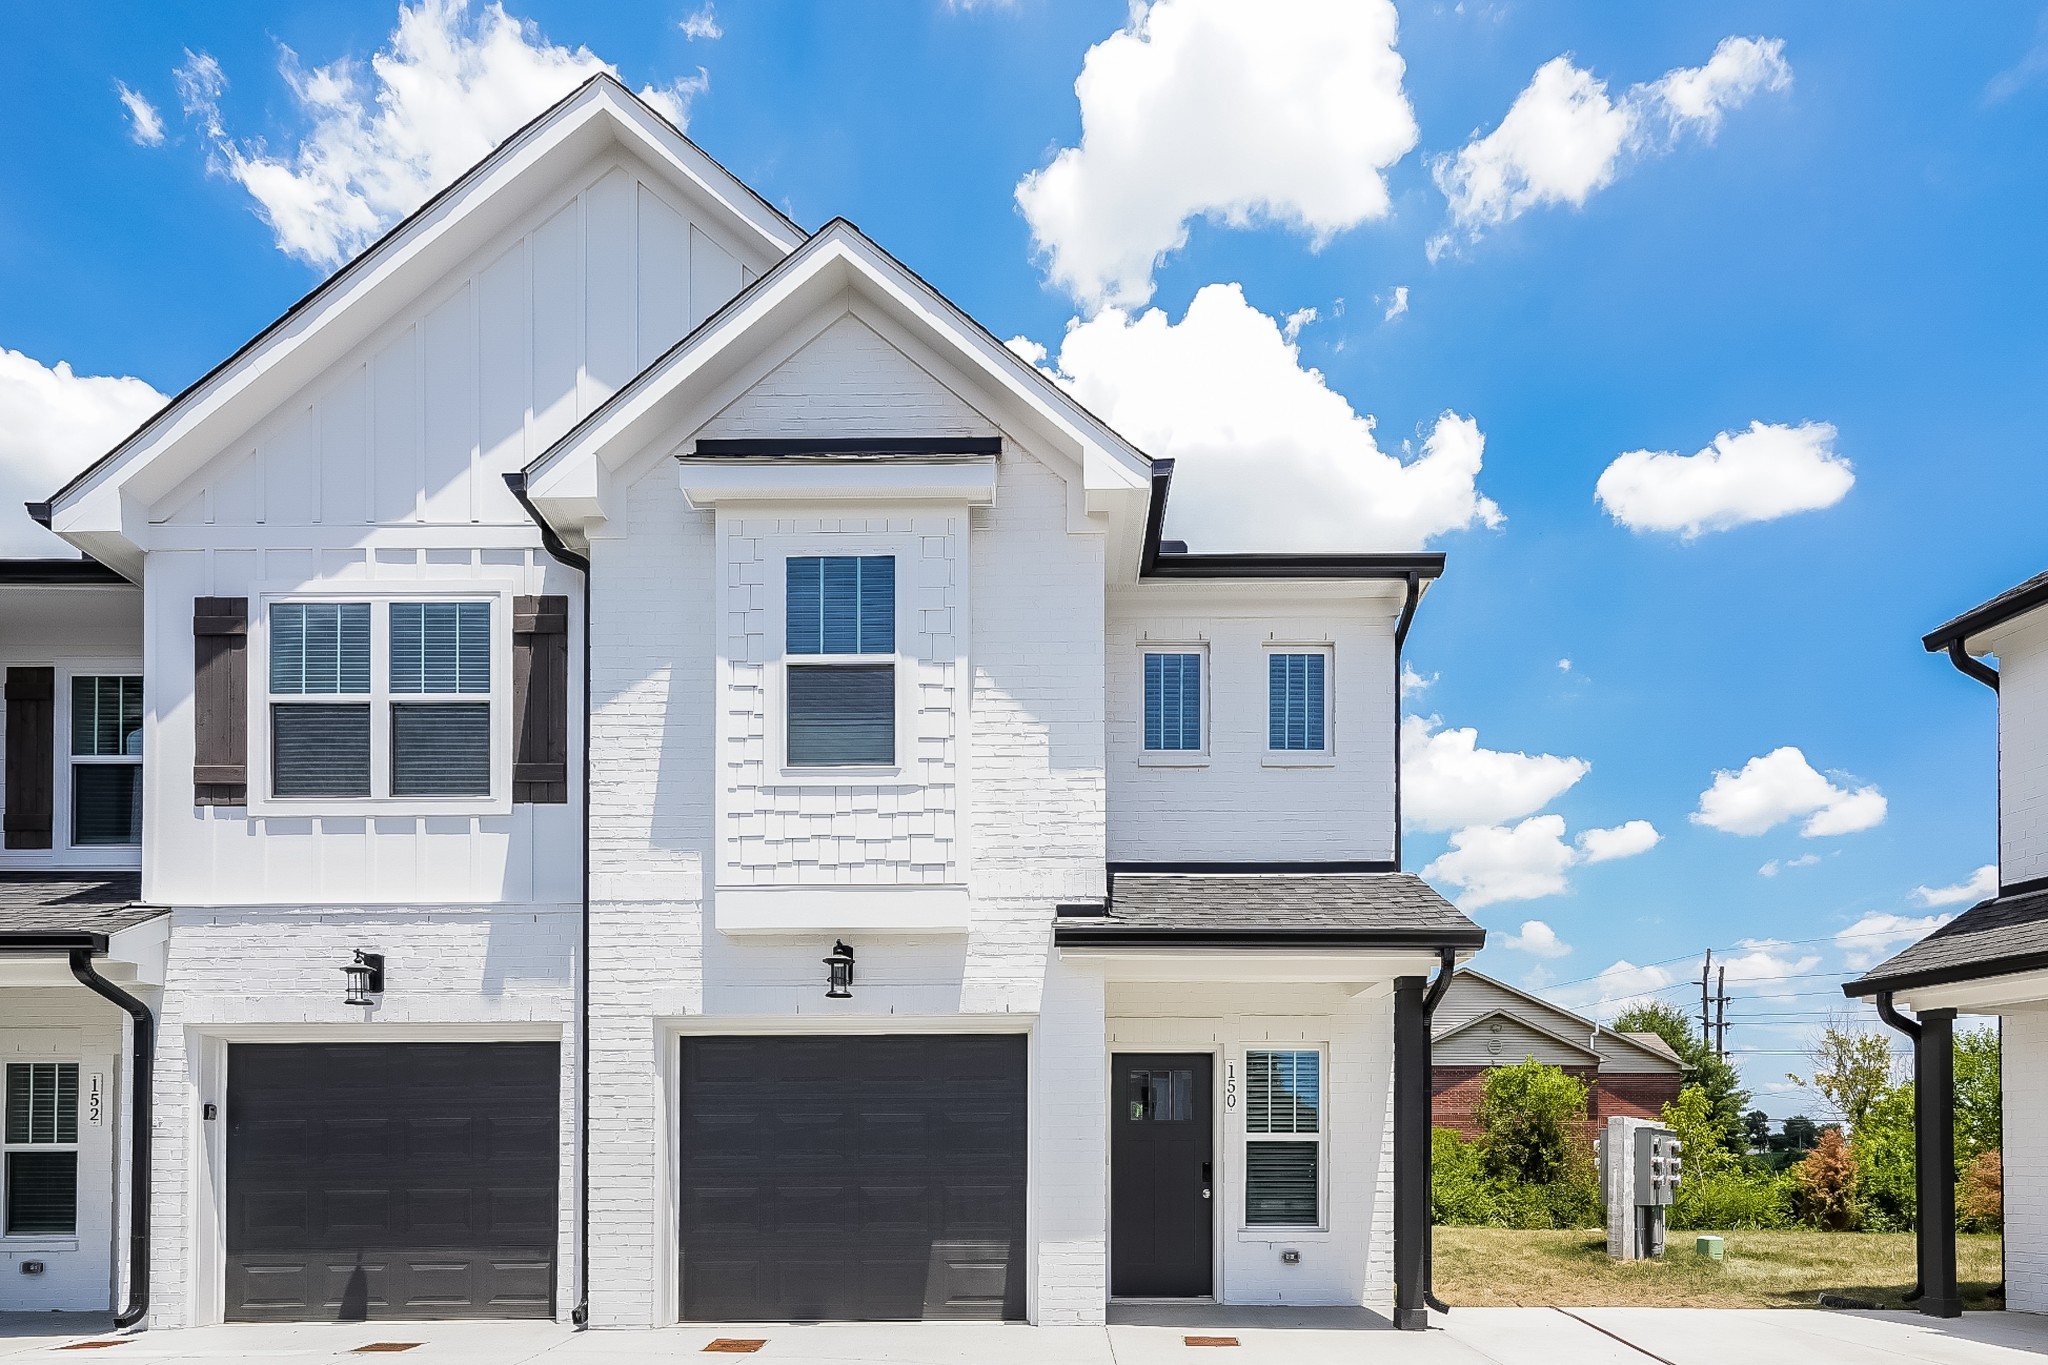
827	1177
409	1180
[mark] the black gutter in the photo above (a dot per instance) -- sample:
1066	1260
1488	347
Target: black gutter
1132	936
57	573
1155	560
1155	517
579	1316
780	448
1975	668
1253	869
92	943
141	1078
2000	609
1408	606
1447	966
1934	1155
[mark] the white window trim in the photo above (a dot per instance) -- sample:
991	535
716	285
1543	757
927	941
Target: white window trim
380	594
17	1241
64	839
1177	758
1325	757
1246	1229
902	549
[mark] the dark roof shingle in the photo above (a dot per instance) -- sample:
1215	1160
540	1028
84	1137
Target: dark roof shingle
1996	937
1397	909
71	903
1997	611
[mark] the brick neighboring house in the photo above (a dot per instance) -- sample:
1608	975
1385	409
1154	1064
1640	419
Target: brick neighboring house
1484	1023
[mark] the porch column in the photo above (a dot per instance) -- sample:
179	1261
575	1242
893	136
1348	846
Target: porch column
1934	1159
1411	1154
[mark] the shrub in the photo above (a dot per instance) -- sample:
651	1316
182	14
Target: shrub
1980	1195
1827	1184
1743	1199
1462	1194
1883	1150
1534	1117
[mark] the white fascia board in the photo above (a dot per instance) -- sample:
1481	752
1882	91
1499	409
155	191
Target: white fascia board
324	326
1992	995
841	910
1368	967
708	482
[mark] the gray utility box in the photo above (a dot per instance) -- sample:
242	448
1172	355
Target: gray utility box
1658	1167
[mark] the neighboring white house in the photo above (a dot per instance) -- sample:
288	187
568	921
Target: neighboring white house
684	783
1990	960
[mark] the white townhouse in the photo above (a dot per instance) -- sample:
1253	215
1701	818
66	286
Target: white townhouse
673	777
1991	960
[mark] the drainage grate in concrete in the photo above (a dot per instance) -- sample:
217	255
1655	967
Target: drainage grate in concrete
738	1346
1208	1341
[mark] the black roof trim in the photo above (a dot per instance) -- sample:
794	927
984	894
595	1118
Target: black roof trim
1252	869
1170	558
355	263
1126	936
58	573
741	447
45	942
1981	970
2012	602
2023	888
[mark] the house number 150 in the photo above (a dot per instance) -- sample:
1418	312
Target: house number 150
1230	1085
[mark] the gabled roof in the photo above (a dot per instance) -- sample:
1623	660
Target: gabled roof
1273	909
838	261
2015	601
1521	1021
1998	937
1660	1050
397	267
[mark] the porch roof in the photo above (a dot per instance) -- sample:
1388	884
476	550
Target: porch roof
41	909
2006	934
1279	909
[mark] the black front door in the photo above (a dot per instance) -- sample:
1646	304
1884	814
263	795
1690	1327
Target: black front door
1161	1176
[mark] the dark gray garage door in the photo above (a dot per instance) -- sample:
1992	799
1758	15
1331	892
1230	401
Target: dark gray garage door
864	1177
392	1180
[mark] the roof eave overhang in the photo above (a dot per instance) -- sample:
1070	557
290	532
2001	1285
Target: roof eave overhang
45	943
1868	987
1114	936
1971	628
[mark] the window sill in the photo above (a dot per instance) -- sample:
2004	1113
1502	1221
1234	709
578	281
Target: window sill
852	775
1172	758
1277	1233
31	1243
1298	758
375	807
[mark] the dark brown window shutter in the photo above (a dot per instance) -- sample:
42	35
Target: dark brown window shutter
31	750
540	700
220	692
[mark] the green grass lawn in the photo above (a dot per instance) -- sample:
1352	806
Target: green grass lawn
1500	1268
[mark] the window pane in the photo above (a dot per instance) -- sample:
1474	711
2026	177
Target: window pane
42	1192
1295	716
1280	1183
42	1102
1173	701
320	648
106	803
320	750
441	647
1283	1092
441	749
1162	1096
840	604
842	715
106	717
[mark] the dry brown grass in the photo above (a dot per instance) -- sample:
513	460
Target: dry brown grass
1500	1268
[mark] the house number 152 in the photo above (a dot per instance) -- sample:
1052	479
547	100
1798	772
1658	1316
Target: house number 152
95	1099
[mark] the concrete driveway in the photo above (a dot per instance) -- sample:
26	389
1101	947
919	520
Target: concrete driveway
1473	1336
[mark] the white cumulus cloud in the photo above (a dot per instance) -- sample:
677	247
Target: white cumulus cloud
449	86
145	124
1775	865
701	23
1449	781
1779	786
1270	457
1622	841
1873	938
1565	138
1768	966
1980	885
1521	862
54	423
1766	472
1537	939
1621	985
1288	112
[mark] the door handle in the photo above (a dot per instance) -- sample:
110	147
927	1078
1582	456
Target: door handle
1206	1182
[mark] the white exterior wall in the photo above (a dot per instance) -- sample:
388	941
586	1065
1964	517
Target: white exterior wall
86	1270
1235	801
1350	1259
2023	1054
2023	749
272	974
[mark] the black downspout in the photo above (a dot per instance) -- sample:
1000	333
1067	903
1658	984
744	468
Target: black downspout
1411	1154
1447	964
141	1081
1982	672
1400	639
1934	1155
579	1316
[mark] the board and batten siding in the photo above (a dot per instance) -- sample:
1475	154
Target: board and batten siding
1233	803
2023	749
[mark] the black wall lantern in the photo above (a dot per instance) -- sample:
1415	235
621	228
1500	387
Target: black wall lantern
840	965
365	978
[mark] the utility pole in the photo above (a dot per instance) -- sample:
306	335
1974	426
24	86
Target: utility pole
1706	1008
1721	1015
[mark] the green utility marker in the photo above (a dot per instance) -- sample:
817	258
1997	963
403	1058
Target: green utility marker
1710	1247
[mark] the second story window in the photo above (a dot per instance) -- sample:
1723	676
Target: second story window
106	760
420	726
1173	702
840	645
1296	703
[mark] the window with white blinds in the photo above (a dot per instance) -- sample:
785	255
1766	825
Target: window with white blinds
39	1155
106	760
839	646
389	699
1297	704
1283	1138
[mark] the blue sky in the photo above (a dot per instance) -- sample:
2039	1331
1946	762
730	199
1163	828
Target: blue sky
1830	227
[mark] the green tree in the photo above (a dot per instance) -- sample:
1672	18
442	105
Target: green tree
1883	1144
1718	1081
1978	1096
1850	1067
1801	1134
1534	1122
1756	1126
